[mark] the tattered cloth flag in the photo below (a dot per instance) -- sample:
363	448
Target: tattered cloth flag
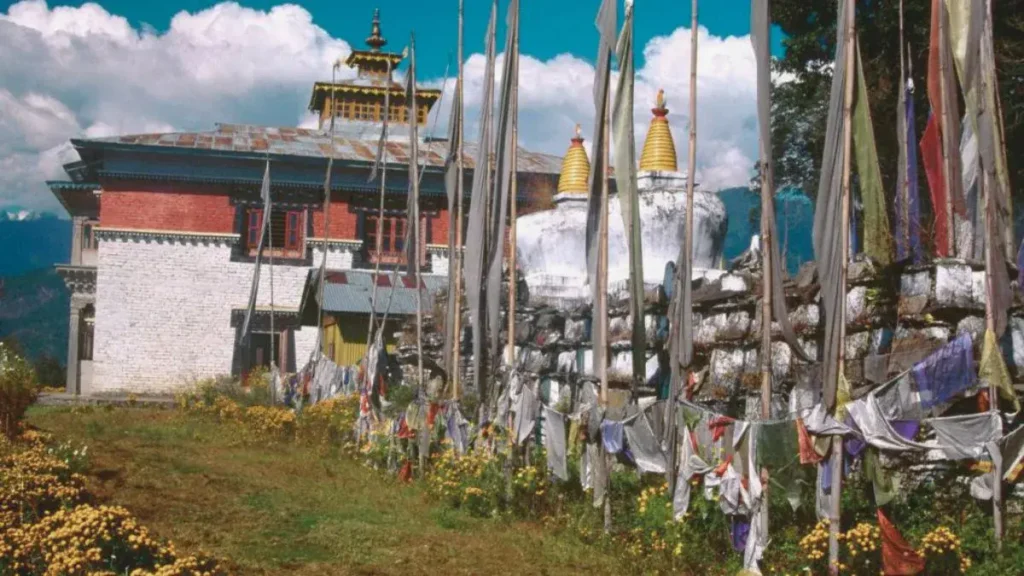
412	229
605	24
505	148
760	37
453	188
877	236
938	137
829	244
898	557
265	214
476	227
625	179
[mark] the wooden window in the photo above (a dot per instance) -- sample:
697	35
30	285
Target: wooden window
392	239
285	236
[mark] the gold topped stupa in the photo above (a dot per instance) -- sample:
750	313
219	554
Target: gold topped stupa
659	149
575	168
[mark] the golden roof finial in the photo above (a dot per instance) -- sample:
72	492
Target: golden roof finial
659	149
575	168
375	41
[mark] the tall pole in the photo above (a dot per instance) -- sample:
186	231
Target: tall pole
766	304
601	315
456	258
990	264
947	167
904	178
513	192
837	441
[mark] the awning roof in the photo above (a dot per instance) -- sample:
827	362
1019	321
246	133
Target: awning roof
351	291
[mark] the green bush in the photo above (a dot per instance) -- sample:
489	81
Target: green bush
18	390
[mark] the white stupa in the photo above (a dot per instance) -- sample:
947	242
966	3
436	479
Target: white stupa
551	244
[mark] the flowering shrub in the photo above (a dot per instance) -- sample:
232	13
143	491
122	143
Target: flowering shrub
34	483
86	538
46	529
473	481
330	421
814	547
862	547
942	552
18	390
271	421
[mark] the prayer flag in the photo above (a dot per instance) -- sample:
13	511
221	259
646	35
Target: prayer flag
605	23
412	228
877	236
625	178
898	557
251	308
477	225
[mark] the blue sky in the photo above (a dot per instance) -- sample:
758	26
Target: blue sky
92	70
548	27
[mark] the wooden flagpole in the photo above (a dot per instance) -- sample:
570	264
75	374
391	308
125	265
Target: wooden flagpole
904	178
456	258
837	441
601	312
766	307
990	263
947	167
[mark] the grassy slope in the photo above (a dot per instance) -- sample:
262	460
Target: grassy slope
287	509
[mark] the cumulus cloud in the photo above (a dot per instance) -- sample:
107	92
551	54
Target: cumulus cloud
81	71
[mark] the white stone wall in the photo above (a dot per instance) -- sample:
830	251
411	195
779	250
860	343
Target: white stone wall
163	309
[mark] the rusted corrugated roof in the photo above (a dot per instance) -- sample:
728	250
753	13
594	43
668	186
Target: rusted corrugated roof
317	144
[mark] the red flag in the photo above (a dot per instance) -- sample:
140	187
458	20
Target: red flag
405	472
807	453
931	157
898	558
718	426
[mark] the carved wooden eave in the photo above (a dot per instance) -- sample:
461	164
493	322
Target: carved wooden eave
80	280
139	235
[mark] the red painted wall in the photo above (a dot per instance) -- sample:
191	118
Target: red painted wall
180	210
344	224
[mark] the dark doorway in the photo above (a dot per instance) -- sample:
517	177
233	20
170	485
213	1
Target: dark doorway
259	350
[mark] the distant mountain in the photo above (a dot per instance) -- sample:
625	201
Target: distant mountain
32	242
794	215
33	299
34	309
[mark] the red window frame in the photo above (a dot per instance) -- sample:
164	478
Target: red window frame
392	247
289	232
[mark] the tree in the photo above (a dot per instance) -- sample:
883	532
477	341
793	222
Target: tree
50	372
800	101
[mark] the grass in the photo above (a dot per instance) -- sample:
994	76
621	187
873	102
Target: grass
285	508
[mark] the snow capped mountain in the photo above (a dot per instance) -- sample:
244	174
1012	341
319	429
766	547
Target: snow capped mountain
19	215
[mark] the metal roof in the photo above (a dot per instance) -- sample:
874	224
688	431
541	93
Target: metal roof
350	291
313	143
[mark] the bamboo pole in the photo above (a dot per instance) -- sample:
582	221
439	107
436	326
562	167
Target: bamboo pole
456	258
990	264
766	309
947	166
513	192
380	223
904	178
837	441
601	312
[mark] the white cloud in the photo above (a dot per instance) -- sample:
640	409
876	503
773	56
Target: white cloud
81	71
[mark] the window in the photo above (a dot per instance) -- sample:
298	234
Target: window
421	114
392	238
88	234
285	235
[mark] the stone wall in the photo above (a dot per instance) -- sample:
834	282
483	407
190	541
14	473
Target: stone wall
896	317
164	304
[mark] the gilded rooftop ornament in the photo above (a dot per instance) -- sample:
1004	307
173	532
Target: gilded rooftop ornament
659	149
575	168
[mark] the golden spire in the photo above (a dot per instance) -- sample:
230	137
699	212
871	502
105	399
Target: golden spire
659	148
575	168
375	41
